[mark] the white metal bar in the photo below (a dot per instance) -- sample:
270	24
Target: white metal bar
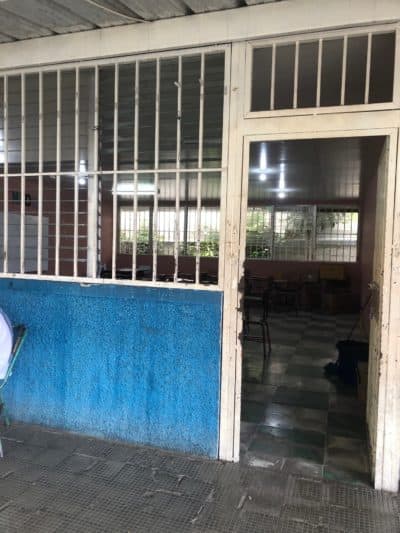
178	164
23	169
296	74
115	176
200	165
273	69
368	69
58	175
319	68
135	166
88	281
40	178
344	70
156	173
5	207
131	171
76	168
94	200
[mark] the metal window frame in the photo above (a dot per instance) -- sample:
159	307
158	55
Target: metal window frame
311	248
94	173
319	37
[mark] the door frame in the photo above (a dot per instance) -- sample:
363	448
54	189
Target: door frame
386	458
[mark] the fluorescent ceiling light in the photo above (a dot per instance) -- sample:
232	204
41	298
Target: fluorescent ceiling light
127	188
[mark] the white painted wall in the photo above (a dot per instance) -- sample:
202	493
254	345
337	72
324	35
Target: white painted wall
31	237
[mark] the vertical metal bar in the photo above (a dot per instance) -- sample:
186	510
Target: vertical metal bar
58	177
76	170
93	215
156	173
40	178
115	175
94	199
319	68
313	244
200	166
296	74
368	69
344	69
178	166
135	166
23	170
5	210
273	232
273	69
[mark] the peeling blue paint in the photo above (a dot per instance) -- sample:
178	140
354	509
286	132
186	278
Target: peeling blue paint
140	364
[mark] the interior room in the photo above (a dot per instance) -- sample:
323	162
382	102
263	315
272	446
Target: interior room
309	260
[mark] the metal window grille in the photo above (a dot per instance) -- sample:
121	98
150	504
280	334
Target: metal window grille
79	143
302	233
339	70
209	233
336	235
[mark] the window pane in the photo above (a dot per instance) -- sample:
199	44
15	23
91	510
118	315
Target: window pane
356	69
292	233
382	68
336	235
284	76
261	79
259	235
308	71
331	72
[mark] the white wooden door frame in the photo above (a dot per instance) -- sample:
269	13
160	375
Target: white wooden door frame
386	456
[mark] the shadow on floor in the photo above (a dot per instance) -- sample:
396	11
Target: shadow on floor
296	420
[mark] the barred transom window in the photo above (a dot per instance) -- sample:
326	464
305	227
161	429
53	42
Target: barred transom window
342	70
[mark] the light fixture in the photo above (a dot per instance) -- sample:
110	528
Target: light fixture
282	184
127	188
82	169
263	162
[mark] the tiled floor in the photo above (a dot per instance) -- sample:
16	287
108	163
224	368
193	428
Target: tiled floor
58	482
296	420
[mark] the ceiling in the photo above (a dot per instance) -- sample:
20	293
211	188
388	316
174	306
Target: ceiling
28	19
311	169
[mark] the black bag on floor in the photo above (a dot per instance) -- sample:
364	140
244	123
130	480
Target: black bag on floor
350	353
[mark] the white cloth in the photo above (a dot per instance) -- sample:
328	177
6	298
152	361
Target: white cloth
6	343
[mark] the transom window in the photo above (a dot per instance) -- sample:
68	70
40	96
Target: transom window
322	72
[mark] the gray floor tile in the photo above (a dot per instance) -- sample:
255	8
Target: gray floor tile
165	492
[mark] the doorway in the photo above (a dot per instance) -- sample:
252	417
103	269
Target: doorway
312	210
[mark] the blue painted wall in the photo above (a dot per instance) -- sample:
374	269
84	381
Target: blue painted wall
130	363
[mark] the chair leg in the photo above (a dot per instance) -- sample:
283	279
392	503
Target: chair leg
268	338
264	343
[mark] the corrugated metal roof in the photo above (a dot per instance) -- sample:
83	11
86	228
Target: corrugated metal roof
27	19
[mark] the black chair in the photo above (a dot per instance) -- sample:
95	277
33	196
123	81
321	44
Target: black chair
261	323
286	296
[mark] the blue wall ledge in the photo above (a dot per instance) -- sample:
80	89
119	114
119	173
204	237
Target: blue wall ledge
132	363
